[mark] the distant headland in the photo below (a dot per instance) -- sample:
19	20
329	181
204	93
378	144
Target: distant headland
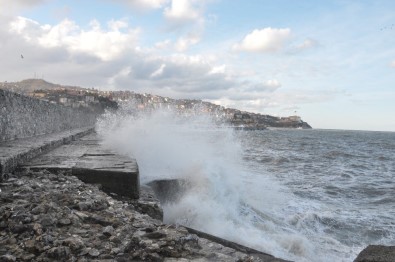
92	99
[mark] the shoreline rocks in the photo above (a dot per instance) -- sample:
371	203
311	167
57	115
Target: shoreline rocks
377	253
57	217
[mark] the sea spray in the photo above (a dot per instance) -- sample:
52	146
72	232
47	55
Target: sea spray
225	198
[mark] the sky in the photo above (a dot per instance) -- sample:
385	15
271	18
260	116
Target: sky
331	62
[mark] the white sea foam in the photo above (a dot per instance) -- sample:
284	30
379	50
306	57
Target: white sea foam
226	198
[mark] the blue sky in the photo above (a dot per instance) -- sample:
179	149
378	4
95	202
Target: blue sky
333	62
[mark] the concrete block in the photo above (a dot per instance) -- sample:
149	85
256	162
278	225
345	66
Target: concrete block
116	174
17	152
169	190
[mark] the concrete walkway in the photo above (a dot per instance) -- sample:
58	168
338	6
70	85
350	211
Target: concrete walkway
16	152
91	163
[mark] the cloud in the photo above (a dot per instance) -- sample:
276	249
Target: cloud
184	42
273	84
187	18
109	57
182	11
307	44
103	56
392	64
264	40
159	71
163	44
218	70
266	101
9	7
144	4
102	43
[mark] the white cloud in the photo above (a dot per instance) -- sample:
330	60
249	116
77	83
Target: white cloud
116	25
8	7
392	64
21	25
184	42
109	57
218	70
103	43
163	44
264	40
159	71
264	101
181	11
124	72
308	43
273	83
145	4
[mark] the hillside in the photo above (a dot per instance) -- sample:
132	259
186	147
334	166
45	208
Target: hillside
30	85
92	98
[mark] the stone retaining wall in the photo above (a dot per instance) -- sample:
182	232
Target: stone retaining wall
22	116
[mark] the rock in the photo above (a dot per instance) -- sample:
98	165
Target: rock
40	209
94	252
115	239
155	235
19	229
38	229
46	240
108	231
74	243
48	221
100	204
115	251
96	219
83	206
148	203
377	253
93	226
28	257
30	245
84	251
81	215
7	258
4	177
60	253
64	222
12	241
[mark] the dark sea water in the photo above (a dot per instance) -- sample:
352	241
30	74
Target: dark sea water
302	195
343	183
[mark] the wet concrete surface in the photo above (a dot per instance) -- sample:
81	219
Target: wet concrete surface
92	163
17	152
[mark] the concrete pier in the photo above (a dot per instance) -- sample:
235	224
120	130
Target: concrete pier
16	152
91	163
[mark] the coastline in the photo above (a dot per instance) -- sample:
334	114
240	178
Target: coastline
52	217
49	214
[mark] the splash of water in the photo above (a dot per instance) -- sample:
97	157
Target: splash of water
224	199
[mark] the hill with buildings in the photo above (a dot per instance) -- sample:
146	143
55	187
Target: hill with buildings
97	100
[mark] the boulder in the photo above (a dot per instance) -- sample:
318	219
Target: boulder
377	253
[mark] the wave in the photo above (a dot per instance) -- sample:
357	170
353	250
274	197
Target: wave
224	197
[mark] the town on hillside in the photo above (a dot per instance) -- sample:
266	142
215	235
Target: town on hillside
98	101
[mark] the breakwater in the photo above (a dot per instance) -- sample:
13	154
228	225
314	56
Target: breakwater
47	212
22	116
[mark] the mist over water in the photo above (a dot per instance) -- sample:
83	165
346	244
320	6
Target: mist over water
299	195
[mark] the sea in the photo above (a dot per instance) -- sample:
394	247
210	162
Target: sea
301	195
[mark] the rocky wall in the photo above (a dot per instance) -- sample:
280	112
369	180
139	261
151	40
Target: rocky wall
22	116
